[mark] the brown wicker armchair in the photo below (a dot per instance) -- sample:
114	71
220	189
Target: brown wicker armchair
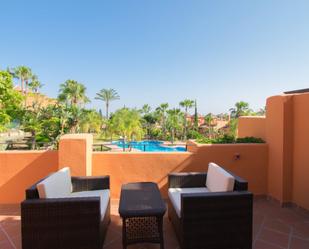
65	223
213	220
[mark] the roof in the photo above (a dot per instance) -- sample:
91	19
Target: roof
305	90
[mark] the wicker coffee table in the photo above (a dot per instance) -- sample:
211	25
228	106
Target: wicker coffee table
141	209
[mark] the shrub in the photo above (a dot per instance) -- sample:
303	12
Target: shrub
40	138
192	134
228	139
249	140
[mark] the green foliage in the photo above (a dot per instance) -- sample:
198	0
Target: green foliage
233	127
35	84
107	95
73	93
228	139
10	100
161	112
145	109
175	120
241	109
187	104
127	123
47	124
22	73
249	140
193	134
149	121
91	121
195	116
40	138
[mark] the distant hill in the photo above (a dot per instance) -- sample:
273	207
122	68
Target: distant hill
37	98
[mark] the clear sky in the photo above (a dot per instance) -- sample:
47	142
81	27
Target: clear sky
154	51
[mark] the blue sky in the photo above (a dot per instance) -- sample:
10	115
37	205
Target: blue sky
154	51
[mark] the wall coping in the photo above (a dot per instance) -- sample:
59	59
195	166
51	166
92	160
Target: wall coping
228	145
141	153
26	151
252	117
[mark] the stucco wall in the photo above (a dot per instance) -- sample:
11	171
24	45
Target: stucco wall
19	170
301	150
274	131
251	165
75	151
131	167
252	126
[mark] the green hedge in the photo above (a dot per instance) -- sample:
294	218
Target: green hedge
227	139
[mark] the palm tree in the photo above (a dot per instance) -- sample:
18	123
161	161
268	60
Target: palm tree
262	111
187	104
107	95
174	122
22	73
241	109
208	120
35	84
127	123
145	109
195	116
161	111
73	93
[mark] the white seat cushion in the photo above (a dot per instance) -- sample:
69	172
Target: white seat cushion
103	194
218	180
174	195
57	185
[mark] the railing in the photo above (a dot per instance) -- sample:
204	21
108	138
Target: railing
176	147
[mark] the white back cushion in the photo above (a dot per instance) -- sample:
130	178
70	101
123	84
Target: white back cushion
218	180
57	185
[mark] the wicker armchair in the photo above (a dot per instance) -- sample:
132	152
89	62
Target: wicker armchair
213	220
65	223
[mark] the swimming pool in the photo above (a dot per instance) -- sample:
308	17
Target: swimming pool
150	145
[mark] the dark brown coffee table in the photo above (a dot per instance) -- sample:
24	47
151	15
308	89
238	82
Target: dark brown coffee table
142	209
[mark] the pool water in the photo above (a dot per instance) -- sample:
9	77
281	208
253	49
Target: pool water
150	145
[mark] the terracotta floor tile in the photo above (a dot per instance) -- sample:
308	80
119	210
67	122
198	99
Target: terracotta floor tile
12	230
297	243
273	237
264	245
277	225
2	235
301	230
5	244
111	236
271	228
114	245
16	241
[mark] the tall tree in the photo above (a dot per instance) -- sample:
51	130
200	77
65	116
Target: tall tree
35	84
107	95
241	109
145	109
161	111
10	100
187	104
127	123
73	93
209	121
174	122
195	116
22	73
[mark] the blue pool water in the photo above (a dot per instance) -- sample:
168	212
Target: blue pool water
149	145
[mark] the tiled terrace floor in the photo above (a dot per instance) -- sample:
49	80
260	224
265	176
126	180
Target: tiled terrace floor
274	228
